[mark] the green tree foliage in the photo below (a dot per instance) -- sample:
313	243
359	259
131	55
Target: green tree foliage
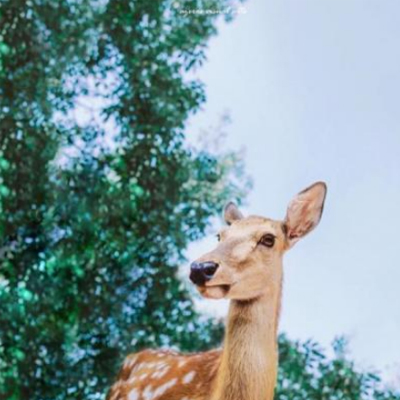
95	216
307	373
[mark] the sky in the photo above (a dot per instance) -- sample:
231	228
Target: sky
313	91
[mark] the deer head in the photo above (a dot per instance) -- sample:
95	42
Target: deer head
248	259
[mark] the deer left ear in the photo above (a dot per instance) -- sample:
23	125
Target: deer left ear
304	212
232	213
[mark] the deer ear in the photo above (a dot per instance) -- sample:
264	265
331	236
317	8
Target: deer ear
304	212
231	213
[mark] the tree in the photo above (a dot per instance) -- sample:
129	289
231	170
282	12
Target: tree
307	373
96	216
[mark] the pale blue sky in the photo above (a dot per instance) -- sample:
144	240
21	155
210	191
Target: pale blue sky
313	89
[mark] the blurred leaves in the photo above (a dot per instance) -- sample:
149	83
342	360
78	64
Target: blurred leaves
307	373
95	214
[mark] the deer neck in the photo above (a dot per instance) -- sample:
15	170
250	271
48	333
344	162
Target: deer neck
249	361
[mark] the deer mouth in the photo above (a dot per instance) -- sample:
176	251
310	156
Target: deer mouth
215	291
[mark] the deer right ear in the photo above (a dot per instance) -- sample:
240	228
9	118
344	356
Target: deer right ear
304	212
232	213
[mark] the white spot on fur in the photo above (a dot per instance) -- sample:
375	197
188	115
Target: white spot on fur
132	361
181	363
185	398
146	365
139	366
132	380
141	377
160	373
156	365
162	365
134	370
147	393
188	377
163	372
133	395
163	388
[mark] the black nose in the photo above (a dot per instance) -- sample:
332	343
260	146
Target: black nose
200	273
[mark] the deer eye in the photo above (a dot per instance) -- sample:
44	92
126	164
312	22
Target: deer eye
267	240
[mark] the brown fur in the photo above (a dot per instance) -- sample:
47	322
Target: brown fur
250	275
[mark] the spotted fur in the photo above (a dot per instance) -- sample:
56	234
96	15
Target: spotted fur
166	375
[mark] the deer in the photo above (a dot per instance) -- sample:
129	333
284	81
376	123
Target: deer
245	267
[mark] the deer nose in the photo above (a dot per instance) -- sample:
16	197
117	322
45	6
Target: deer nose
200	273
